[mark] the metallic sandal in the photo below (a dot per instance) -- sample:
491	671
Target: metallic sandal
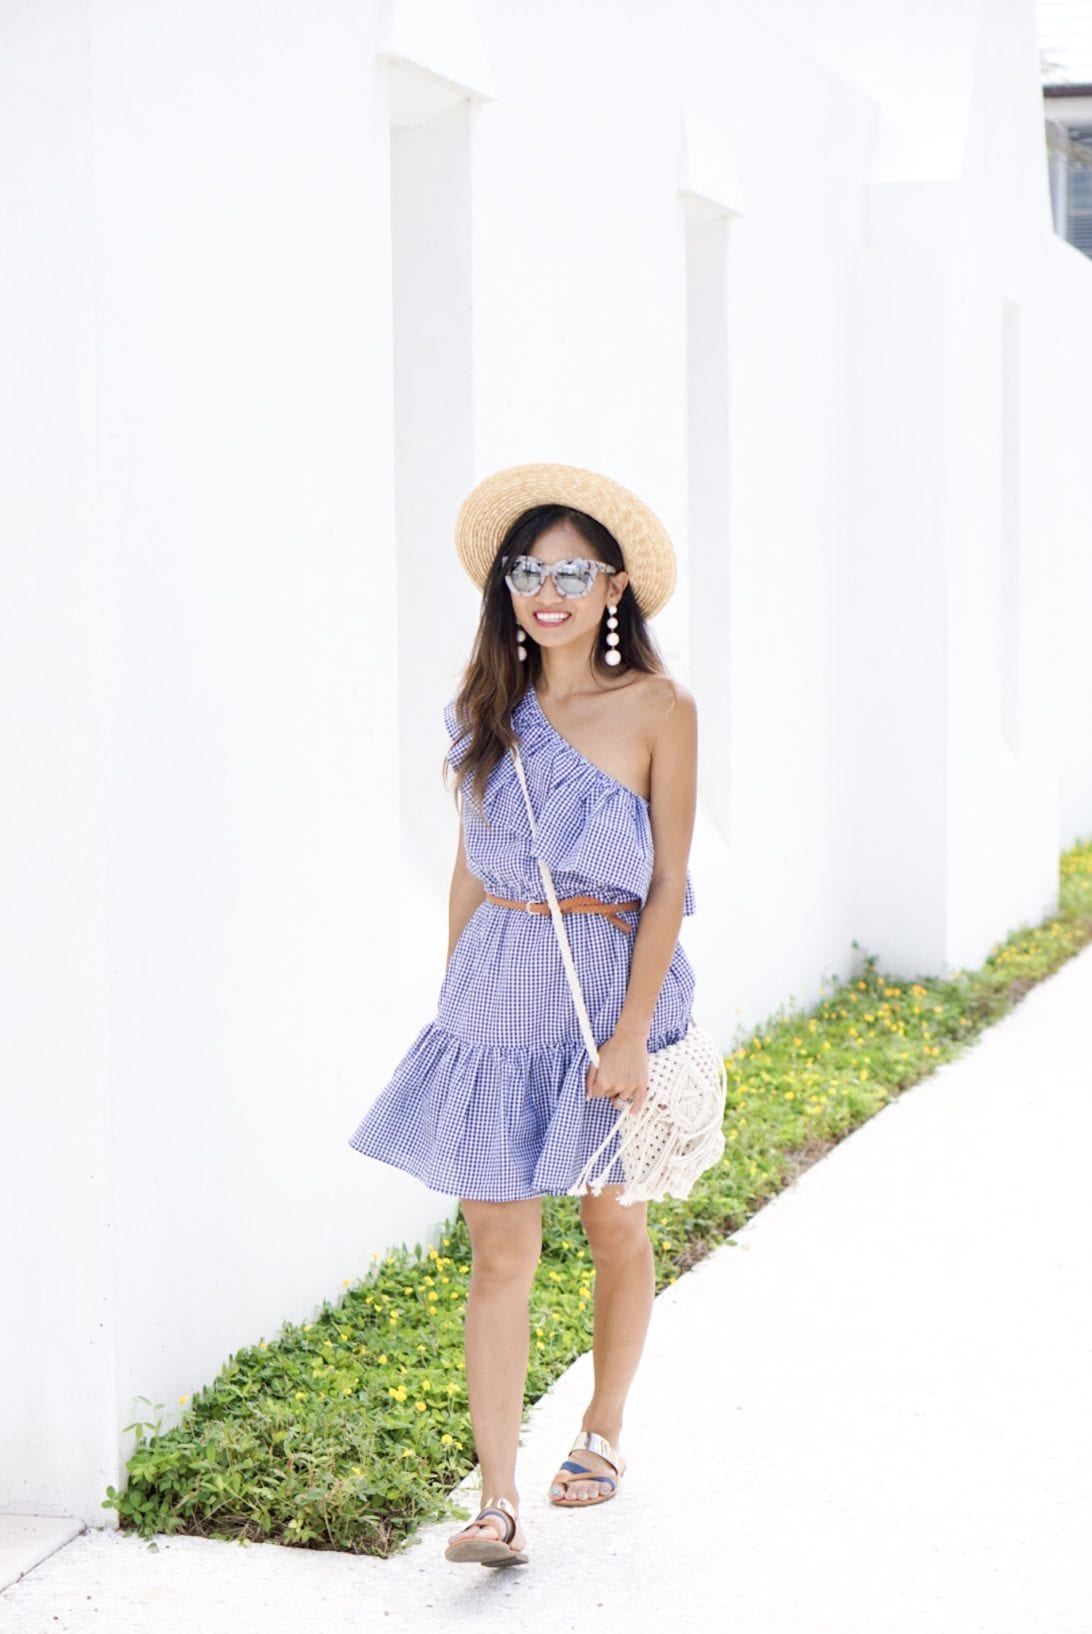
588	1441
490	1551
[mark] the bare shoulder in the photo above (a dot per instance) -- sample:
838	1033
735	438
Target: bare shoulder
667	708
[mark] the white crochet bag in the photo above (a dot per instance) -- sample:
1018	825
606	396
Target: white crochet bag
679	1132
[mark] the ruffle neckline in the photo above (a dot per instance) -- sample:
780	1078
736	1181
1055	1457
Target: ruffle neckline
592	828
531	697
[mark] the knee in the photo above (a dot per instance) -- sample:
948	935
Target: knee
616	1237
504	1259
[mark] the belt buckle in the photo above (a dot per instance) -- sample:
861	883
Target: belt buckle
529	906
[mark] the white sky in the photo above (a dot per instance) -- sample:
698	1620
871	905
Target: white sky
1065	41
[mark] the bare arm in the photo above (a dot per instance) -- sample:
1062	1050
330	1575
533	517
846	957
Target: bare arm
467	893
623	1060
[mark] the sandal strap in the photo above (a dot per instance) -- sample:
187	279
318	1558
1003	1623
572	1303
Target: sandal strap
504	1508
579	1470
589	1441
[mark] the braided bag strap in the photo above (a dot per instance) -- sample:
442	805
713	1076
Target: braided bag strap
679	1132
559	926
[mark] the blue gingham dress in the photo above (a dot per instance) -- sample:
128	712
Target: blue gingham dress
488	1102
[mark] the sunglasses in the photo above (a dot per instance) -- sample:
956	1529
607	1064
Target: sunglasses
572	577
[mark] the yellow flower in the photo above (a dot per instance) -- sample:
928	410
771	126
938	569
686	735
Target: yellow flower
421	1406
181	1401
398	1392
382	1360
447	1440
452	1389
433	1297
426	1384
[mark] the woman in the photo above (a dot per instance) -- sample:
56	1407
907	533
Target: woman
497	1101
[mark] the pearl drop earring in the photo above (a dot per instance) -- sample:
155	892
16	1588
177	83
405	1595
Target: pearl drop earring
612	655
521	637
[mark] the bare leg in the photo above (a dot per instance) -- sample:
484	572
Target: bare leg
625	1286
506	1239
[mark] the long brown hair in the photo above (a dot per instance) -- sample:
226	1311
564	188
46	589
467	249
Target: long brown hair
495	679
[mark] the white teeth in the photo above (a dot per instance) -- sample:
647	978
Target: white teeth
551	618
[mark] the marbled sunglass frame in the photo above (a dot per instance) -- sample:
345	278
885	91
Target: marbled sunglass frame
578	570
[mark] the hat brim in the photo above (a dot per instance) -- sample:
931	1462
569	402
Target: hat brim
489	510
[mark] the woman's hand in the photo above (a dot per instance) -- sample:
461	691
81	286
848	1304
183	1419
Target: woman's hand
622	1073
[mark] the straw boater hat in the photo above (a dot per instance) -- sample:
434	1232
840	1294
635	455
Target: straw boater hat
489	510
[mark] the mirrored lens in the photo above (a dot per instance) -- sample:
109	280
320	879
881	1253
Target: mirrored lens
525	575
573	578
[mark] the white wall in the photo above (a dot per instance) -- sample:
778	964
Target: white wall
58	1317
1065	467
281	284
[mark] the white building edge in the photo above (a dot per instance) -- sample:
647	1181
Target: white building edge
282	283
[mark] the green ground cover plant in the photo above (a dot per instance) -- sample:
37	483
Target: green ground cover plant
348	1431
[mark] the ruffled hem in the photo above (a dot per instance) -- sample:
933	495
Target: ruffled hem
491	1124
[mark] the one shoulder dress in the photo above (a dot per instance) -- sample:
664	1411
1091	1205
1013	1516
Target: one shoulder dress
489	1102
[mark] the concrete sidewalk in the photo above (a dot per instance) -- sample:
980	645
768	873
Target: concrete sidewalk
870	1413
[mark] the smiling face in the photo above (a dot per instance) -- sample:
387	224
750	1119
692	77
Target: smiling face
553	620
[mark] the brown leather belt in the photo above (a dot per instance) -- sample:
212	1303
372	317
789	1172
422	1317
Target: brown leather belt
574	904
